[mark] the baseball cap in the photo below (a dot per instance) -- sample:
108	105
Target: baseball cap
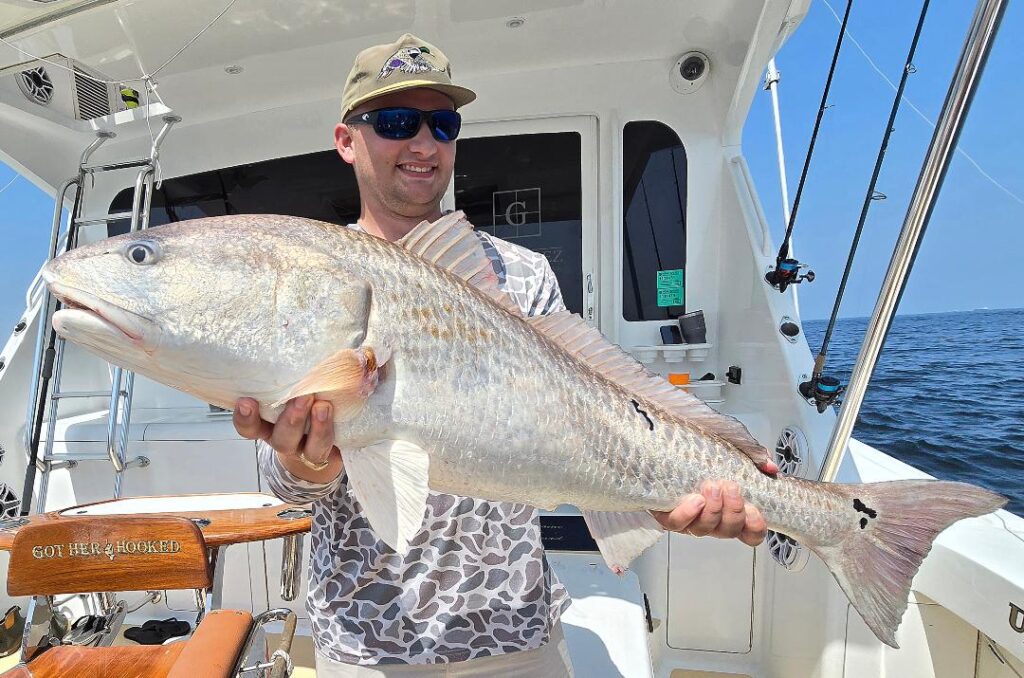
404	64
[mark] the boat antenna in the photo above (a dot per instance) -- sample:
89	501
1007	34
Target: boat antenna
822	390
787	270
771	84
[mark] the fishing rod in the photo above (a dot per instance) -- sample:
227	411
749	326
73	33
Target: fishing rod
787	269
821	389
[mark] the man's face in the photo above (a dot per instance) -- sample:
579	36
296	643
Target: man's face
406	177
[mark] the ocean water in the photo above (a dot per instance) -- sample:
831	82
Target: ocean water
947	395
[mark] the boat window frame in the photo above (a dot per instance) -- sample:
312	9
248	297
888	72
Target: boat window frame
621	227
587	127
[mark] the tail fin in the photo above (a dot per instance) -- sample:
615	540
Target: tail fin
896	524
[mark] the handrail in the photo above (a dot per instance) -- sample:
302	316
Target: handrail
966	76
44	354
753	214
120	410
50	349
44	308
258	622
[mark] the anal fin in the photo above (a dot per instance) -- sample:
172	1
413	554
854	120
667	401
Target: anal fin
389	480
622	537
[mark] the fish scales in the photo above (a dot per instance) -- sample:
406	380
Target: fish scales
437	382
607	465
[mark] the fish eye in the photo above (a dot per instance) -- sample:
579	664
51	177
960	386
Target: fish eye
143	253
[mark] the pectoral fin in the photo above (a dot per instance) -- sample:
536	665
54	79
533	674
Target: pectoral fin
622	537
347	379
389	480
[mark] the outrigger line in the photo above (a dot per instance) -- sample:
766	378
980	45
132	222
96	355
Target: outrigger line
820	389
787	269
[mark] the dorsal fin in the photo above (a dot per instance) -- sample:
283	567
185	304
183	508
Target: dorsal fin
451	244
572	333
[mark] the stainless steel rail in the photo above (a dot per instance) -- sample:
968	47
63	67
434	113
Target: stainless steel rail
291	561
962	88
44	313
119	412
49	360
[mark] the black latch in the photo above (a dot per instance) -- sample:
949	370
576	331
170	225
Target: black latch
734	374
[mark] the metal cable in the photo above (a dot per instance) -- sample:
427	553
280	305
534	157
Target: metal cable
145	77
10	183
784	248
928	121
908	68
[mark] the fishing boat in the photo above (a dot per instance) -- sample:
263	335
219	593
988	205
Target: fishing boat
607	136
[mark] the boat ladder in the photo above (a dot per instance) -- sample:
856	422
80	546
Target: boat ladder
49	355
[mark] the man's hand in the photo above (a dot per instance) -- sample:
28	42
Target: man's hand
289	438
719	511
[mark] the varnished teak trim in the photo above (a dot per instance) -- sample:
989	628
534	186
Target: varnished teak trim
107	553
226	526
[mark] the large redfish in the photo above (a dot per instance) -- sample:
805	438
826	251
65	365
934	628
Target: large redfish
438	382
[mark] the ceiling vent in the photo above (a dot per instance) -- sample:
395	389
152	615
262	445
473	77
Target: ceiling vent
59	87
93	97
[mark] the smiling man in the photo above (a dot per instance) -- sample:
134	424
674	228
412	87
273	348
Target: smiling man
475	595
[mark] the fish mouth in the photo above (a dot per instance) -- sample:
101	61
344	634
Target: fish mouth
81	306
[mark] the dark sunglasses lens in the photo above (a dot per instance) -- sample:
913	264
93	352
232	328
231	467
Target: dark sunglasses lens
446	125
397	123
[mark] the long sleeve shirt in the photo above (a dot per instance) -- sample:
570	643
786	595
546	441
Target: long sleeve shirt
475	581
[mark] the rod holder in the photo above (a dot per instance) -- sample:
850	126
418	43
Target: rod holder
291	558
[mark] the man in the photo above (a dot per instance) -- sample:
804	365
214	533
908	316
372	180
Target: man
474	596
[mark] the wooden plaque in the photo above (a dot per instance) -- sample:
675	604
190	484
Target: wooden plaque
107	553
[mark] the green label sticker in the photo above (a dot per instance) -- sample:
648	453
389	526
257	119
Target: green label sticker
670	287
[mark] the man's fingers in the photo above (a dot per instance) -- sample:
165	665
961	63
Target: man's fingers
756	529
320	439
681	516
247	420
719	511
709	519
734	516
291	425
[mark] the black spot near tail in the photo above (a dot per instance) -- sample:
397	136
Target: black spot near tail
860	506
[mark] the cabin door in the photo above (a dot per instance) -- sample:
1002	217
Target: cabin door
534	183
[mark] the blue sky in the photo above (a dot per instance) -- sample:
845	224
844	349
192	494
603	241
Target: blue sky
972	249
970	257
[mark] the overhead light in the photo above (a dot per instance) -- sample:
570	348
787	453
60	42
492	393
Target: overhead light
515	22
234	69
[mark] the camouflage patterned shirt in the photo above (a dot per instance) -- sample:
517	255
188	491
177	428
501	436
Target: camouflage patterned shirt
475	582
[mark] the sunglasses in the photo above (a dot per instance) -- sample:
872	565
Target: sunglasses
404	123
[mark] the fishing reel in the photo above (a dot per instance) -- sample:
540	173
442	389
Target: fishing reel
786	273
822	391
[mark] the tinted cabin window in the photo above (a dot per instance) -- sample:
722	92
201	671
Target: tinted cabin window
317	186
654	223
526	188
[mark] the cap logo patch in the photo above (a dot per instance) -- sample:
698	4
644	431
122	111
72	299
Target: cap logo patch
409	60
